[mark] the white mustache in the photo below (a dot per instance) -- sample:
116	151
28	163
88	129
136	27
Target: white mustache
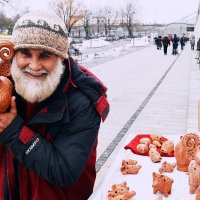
30	71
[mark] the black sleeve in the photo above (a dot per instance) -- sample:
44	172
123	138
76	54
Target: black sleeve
62	161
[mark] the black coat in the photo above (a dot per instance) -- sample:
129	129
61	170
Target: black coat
54	145
165	42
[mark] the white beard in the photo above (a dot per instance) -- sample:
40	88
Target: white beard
33	90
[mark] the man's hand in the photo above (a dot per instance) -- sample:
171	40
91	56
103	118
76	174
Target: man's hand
7	118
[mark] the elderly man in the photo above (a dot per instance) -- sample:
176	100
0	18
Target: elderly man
49	135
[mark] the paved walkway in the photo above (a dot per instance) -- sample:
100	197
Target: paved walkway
148	93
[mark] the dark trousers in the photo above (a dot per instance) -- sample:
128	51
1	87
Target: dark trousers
165	50
182	46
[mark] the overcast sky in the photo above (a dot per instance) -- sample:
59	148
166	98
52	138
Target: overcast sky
149	11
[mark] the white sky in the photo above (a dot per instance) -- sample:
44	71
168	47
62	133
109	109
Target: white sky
149	11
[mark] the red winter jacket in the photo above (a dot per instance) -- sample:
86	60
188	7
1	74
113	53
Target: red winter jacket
49	150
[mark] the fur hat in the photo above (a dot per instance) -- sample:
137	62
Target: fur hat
41	30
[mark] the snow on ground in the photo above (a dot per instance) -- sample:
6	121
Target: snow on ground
98	54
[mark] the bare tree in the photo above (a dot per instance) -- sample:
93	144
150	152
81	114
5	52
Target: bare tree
87	18
100	19
130	13
110	17
69	10
122	17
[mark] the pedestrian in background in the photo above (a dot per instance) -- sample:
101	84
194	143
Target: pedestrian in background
198	51
192	42
182	42
49	136
166	43
175	42
159	43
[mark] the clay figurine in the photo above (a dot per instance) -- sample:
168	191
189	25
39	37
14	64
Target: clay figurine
127	196
156	143
156	137
197	192
185	150
129	162
194	172
162	183
154	155
6	54
167	167
120	192
6	87
167	147
118	189
146	141
130	169
152	146
142	148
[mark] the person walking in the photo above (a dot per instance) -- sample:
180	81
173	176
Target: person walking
49	135
192	42
182	42
166	43
198	51
175	41
159	43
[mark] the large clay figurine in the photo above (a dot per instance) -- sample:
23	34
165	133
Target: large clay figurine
185	150
6	87
194	172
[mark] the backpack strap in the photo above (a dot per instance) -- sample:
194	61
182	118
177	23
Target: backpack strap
102	106
70	82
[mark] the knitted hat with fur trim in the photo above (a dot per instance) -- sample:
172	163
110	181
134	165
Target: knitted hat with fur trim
41	30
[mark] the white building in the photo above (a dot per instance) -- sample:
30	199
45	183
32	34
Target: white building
197	26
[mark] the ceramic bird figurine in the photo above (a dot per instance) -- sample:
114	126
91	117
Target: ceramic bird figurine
6	86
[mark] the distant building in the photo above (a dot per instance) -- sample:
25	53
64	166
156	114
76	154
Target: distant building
197	25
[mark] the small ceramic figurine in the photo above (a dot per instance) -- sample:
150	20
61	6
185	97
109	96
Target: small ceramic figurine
185	150
167	147
120	192
154	155
118	189
130	169
156	143
126	196
194	172
146	141
167	167
6	87
142	148
157	137
129	162
152	146
162	183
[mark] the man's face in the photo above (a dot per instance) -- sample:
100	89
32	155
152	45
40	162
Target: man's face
36	73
